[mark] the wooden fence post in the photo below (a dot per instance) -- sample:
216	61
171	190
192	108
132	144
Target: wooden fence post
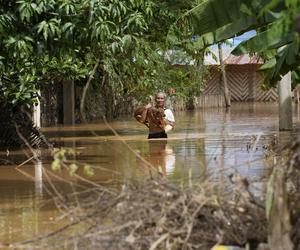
224	77
285	103
36	118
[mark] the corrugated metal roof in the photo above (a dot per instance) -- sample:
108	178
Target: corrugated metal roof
242	59
213	57
177	57
229	58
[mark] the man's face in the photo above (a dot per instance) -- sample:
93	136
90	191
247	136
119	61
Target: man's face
160	100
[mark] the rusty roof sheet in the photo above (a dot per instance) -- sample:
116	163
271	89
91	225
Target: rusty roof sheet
229	58
243	59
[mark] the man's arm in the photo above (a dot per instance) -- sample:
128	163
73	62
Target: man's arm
169	120
170	123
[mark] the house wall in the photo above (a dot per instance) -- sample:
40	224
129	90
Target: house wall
243	83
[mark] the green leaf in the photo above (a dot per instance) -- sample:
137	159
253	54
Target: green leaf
72	169
114	47
126	40
55	165
269	6
88	170
41	26
246	10
270	64
211	15
45	32
68	27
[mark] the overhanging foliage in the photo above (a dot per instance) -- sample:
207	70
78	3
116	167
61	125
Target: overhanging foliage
274	21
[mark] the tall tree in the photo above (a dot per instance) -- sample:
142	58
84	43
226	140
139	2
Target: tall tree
53	41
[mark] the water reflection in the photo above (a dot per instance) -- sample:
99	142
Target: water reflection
38	176
160	158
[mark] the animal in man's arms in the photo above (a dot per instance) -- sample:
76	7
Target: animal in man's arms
154	115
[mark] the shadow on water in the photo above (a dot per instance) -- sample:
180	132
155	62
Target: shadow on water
205	144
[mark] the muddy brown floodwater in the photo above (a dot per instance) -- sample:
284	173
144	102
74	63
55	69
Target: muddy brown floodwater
205	144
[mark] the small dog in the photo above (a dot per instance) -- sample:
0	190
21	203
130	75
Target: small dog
154	115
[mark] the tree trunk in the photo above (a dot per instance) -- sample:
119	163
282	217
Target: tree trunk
69	102
224	78
285	103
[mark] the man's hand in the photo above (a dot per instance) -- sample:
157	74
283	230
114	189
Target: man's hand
148	106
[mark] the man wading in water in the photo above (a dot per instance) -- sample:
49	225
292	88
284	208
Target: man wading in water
159	119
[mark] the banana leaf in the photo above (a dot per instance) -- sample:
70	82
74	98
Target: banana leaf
242	25
276	35
211	15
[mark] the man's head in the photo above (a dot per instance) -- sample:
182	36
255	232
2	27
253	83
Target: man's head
160	99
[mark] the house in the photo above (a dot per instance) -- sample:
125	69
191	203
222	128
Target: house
243	78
